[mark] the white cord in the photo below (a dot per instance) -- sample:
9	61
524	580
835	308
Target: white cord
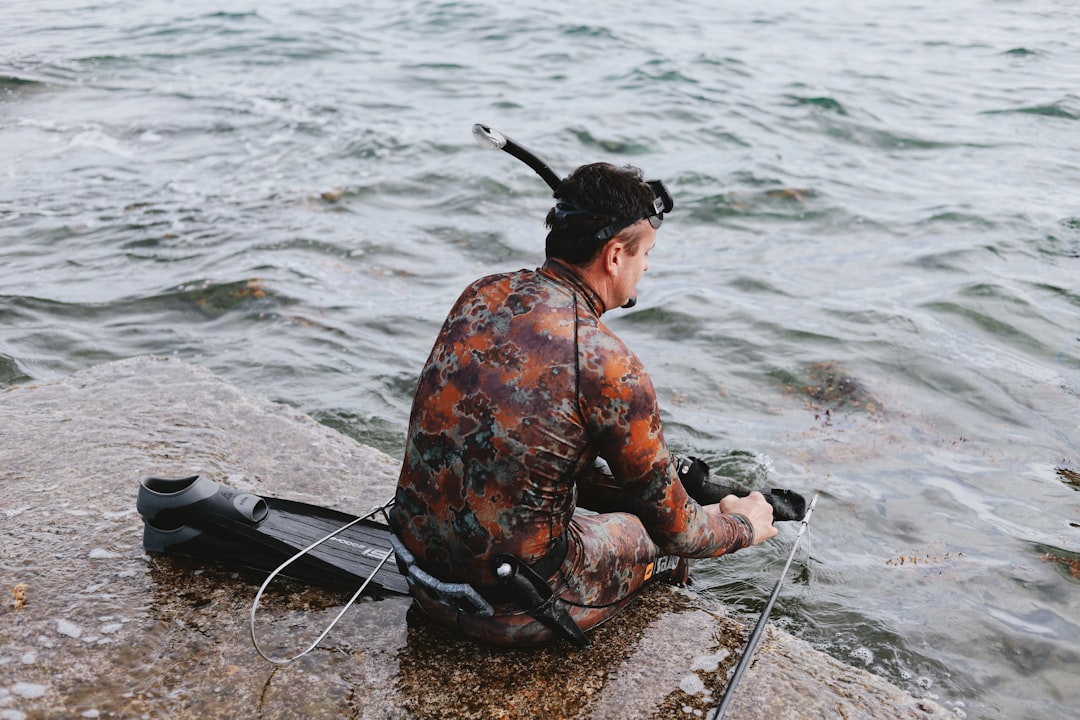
290	561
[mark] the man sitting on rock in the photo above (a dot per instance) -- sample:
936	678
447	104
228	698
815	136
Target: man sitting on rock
529	408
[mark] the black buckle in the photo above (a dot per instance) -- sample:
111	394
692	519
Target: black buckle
546	566
537	597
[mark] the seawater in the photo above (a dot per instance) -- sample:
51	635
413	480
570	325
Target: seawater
867	288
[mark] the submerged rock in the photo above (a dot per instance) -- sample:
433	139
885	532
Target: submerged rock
160	636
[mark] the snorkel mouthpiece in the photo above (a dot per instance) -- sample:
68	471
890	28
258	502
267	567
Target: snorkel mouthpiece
488	138
491	139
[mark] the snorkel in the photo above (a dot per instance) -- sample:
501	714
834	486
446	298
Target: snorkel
491	139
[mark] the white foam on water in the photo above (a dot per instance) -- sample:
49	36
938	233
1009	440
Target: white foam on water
692	685
710	663
68	628
28	691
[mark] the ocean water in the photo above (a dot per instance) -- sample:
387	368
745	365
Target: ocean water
868	287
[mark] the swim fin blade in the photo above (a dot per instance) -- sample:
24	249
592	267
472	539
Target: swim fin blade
200	518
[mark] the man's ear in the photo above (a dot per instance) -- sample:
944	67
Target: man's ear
614	253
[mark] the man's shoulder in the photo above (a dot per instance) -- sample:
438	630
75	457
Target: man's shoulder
523	282
510	278
494	291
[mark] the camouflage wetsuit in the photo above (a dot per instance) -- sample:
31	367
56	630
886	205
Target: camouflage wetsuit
524	389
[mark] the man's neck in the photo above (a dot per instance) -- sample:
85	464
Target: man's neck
578	277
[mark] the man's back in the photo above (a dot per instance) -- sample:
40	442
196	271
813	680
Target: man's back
496	437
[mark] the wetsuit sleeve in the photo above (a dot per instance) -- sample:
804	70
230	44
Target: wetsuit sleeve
621	413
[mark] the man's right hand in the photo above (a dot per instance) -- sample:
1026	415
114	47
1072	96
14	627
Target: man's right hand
754	508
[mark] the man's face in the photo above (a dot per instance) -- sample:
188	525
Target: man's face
636	264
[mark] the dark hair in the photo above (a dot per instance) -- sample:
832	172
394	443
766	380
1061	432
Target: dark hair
605	193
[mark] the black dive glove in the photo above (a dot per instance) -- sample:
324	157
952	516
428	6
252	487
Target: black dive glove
694	473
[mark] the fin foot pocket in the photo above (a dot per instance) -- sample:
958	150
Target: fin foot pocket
171	503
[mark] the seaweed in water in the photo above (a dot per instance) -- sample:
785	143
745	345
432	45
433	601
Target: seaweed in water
1069	477
216	300
829	387
1066	562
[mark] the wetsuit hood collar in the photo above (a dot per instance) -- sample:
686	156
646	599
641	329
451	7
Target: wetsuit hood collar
564	273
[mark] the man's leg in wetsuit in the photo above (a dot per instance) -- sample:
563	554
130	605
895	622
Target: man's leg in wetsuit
598	492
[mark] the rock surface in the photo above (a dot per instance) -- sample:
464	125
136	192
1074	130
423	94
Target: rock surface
92	626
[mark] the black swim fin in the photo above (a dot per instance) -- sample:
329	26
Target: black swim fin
200	518
707	490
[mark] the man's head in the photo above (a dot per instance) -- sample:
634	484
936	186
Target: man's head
597	203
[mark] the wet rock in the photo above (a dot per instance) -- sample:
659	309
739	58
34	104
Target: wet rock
103	629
